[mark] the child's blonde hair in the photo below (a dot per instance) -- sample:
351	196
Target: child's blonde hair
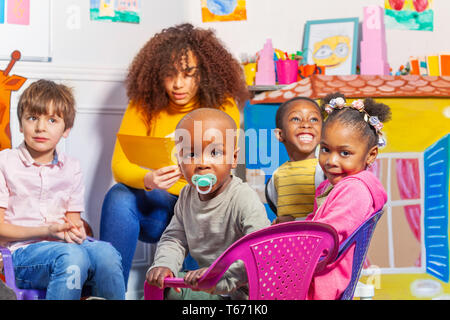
42	94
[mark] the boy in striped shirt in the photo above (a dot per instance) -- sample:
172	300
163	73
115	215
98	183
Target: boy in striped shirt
292	186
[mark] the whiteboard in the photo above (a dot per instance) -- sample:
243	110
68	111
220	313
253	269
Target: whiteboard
32	40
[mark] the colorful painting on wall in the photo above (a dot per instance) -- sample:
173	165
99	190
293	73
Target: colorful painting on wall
332	44
18	12
223	10
116	10
409	14
2	11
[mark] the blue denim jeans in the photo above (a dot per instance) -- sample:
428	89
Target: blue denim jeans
63	268
130	214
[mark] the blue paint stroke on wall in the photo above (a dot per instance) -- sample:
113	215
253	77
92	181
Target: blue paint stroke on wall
221	7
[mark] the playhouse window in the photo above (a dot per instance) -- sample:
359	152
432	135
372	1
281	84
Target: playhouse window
397	242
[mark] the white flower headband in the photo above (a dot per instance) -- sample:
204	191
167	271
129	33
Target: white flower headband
339	103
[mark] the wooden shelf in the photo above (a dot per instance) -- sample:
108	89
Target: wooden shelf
266	88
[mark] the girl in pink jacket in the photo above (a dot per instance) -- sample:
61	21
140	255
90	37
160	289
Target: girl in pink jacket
351	136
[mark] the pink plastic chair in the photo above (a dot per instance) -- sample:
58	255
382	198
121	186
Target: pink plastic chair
280	261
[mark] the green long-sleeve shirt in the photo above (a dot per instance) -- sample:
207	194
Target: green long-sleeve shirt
207	228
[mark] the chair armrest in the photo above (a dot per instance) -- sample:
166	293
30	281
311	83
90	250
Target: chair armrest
154	293
175	283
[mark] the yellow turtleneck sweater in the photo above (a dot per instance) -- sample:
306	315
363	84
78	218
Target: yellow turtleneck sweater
163	125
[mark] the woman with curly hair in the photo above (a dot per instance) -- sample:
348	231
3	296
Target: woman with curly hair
180	69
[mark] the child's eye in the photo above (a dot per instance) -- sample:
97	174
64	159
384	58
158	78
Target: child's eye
32	118
52	120
324	149
295	119
216	153
345	153
314	120
188	155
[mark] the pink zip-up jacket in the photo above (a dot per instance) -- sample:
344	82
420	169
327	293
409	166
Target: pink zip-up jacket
352	201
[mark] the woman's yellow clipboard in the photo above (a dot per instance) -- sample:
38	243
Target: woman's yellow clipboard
148	152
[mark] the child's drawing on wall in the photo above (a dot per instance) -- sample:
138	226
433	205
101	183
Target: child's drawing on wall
223	10
332	44
116	10
331	52
409	14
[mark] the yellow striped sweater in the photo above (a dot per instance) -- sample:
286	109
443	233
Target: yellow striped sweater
295	186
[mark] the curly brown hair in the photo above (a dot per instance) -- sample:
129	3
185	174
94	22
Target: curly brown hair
219	74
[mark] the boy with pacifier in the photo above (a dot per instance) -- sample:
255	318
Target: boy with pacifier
293	184
213	211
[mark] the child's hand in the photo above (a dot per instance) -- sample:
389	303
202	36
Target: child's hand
282	219
162	178
58	230
192	278
76	234
156	276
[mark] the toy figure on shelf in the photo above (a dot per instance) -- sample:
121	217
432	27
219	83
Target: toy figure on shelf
265	74
403	70
373	45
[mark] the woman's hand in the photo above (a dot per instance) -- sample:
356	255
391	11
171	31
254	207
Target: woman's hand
162	178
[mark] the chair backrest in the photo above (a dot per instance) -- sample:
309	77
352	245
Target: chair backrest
269	200
361	238
280	260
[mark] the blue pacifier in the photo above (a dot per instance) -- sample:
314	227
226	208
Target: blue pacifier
204	181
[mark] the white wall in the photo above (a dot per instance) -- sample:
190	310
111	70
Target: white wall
283	21
93	57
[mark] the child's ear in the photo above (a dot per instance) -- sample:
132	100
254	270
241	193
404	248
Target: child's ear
181	170
279	134
372	155
235	158
66	133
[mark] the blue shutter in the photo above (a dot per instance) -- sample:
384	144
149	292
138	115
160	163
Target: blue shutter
436	161
259	145
259	121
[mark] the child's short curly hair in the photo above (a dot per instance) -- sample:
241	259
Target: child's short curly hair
285	106
220	75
